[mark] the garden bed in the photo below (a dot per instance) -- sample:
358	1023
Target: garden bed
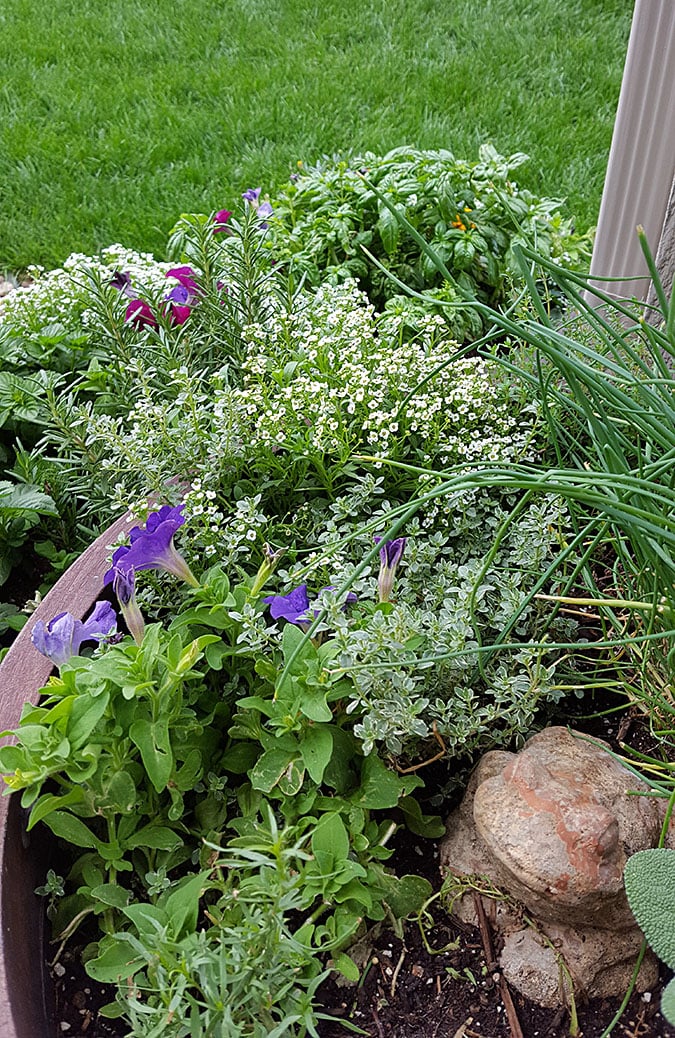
416	516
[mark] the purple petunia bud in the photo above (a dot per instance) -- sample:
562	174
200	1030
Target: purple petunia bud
390	556
124	586
251	195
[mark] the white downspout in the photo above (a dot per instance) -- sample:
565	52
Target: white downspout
641	167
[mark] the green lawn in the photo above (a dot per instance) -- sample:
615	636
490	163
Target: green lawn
117	116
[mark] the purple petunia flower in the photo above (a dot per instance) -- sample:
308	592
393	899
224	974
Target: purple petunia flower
122	282
179	308
63	636
264	209
294	607
152	547
180	294
220	220
390	556
252	194
124	586
140	315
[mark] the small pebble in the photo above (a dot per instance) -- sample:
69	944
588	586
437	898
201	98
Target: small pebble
647	996
59	970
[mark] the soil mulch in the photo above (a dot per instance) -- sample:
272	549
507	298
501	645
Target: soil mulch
407	991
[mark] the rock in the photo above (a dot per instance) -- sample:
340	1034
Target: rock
553	826
598	967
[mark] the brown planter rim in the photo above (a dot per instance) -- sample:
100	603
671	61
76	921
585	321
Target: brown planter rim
26	1005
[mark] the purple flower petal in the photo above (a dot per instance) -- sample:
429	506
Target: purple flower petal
292	607
391	553
152	547
180	294
265	209
122	282
101	622
63	636
124	586
252	194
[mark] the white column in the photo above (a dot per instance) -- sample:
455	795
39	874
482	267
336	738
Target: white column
641	167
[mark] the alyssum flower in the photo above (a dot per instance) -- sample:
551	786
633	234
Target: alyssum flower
63	636
153	548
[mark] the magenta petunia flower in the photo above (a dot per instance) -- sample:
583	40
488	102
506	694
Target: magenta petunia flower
179	314
140	315
185	276
220	220
391	553
63	636
153	548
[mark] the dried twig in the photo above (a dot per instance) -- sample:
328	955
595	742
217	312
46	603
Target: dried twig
441	753
488	949
377	1022
397	970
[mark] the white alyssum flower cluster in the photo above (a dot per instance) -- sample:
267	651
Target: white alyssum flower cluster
63	296
349	382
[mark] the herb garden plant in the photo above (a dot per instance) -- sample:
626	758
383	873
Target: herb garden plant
368	516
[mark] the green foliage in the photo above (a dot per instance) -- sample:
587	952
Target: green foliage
649	878
328	222
145	759
21	507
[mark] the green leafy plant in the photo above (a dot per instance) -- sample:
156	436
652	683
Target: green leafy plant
649	878
328	221
21	507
